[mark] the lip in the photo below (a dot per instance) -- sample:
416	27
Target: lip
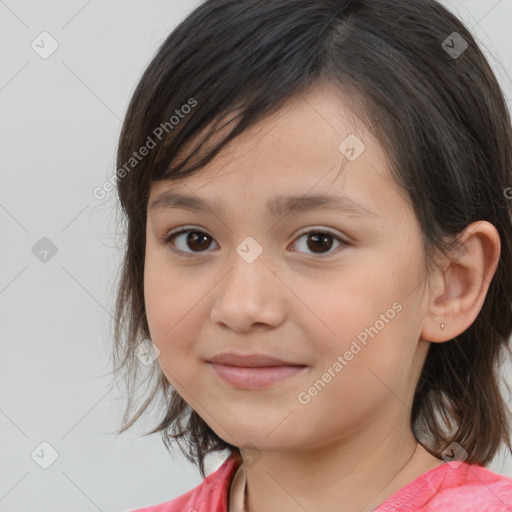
250	360
253	371
256	377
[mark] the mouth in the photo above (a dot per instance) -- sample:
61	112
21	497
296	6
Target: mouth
250	360
255	377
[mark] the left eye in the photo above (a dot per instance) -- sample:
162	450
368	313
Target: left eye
318	241
198	241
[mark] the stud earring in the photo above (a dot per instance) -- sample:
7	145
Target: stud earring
442	326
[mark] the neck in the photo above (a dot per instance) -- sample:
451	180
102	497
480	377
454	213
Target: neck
342	477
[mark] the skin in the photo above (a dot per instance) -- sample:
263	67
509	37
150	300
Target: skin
350	447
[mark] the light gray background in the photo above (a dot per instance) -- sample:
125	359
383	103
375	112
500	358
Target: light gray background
60	119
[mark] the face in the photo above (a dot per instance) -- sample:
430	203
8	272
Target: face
332	287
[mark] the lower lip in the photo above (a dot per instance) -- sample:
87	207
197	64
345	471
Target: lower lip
243	377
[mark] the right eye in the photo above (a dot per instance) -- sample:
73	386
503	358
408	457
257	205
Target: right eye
195	239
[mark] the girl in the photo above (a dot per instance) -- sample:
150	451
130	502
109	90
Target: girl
320	250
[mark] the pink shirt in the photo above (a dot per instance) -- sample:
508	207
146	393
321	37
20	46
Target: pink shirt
446	488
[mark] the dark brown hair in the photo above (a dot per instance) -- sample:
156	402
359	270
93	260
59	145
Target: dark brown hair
434	105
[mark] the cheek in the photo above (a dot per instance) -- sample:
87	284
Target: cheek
360	372
360	321
341	305
167	301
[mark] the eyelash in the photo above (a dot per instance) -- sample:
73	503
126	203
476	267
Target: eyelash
168	240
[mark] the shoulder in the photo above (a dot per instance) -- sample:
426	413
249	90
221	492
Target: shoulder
450	487
473	488
211	495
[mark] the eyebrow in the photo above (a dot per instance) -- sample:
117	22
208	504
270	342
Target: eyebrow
279	206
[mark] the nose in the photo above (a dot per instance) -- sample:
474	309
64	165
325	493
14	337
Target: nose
249	296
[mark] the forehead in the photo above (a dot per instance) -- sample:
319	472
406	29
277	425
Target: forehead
315	145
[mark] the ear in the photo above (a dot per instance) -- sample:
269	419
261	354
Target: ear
460	282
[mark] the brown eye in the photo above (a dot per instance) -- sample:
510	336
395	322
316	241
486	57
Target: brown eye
320	242
194	241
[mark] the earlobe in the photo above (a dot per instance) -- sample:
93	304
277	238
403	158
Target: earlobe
460	283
